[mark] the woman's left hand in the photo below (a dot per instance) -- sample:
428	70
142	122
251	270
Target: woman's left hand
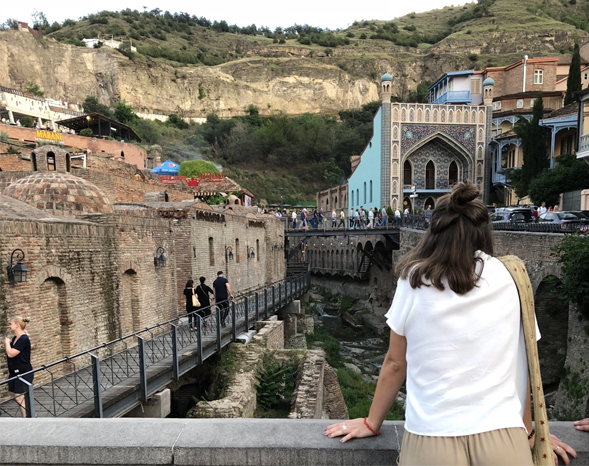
353	428
559	448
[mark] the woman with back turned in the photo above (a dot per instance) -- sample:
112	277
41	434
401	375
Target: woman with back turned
18	353
456	336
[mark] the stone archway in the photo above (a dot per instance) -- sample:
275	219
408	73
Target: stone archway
130	311
57	340
553	320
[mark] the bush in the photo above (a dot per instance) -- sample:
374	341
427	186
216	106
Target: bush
27	122
33	88
3	136
87	132
276	383
193	168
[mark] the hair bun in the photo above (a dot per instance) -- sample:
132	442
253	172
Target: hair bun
26	320
462	194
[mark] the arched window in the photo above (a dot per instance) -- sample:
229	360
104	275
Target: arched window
452	174
51	162
211	251
370	191
430	175
365	192
237	250
407	173
357	196
429	202
352	198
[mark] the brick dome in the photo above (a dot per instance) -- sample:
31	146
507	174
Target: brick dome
60	194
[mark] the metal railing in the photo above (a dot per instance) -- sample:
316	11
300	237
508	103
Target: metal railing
75	385
345	224
584	143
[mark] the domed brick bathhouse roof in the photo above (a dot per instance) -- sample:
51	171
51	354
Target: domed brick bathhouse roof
60	194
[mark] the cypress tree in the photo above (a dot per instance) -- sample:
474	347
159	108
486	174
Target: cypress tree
574	79
533	137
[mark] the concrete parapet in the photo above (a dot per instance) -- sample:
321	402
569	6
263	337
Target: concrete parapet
211	442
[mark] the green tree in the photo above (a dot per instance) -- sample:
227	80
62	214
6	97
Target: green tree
91	105
533	137
571	174
27	122
421	93
175	120
193	168
574	79
573	254
125	114
87	132
149	131
33	88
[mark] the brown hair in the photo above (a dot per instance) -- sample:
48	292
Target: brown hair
21	321
459	226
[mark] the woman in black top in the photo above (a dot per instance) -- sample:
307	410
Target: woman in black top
202	291
18	353
188	292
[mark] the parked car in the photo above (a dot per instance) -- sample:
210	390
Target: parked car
509	216
564	219
579	214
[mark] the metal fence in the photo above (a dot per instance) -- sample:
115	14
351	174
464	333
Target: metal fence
345	224
76	384
420	222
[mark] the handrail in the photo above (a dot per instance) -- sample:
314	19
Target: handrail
158	335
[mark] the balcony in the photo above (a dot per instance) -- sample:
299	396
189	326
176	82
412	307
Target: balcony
454	97
583	152
499	178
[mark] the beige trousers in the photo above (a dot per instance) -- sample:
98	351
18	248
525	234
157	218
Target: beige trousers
502	447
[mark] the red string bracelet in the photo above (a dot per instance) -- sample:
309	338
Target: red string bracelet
374	432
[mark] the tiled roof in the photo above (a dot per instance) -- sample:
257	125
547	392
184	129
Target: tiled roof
568	110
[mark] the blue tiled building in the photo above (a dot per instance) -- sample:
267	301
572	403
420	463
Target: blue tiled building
424	148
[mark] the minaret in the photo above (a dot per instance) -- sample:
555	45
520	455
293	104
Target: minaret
386	83
488	85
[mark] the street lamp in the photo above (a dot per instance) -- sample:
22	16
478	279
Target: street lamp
228	253
18	272
160	259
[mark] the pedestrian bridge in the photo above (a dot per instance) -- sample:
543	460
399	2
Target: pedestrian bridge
214	442
113	378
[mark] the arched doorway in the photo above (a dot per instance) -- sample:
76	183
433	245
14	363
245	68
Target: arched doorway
553	320
57	339
407	173
130	312
429	202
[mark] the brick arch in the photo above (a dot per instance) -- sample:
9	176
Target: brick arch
129	306
51	271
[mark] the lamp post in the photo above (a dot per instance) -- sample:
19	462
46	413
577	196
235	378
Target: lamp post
17	273
160	259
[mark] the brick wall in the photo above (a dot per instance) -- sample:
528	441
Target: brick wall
270	334
308	397
128	153
13	163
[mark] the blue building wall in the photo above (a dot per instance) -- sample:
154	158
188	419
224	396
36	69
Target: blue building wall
367	173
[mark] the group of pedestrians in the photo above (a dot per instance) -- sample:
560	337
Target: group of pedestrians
201	306
373	218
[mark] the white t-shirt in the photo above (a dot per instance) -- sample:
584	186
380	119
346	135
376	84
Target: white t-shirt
466	360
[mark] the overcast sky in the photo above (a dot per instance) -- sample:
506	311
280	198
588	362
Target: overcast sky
321	13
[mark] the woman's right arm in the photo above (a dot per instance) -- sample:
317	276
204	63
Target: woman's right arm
391	377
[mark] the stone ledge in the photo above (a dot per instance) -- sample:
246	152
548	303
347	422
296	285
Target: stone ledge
261	442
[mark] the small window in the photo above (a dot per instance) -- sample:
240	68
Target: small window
430	175
453	174
211	252
258	249
538	77
51	162
371	191
365	192
520	103
237	250
586	76
475	86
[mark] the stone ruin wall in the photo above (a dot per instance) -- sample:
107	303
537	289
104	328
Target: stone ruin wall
317	394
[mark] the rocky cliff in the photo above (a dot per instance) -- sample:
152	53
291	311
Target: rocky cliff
288	78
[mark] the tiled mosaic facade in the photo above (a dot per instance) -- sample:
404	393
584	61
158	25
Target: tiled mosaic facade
442	134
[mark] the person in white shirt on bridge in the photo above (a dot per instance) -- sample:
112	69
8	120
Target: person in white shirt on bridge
397	218
293	217
542	209
333	219
370	218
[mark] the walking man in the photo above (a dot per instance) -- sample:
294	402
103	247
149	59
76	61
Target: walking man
294	218
342	219
385	217
370	219
222	292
